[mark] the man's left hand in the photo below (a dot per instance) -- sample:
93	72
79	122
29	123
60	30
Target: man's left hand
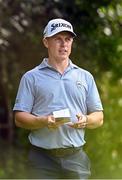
81	123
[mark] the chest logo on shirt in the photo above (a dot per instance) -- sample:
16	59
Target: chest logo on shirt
79	84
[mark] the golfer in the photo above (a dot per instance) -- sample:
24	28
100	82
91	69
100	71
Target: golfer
57	101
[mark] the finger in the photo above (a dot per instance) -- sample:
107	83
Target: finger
71	125
79	116
80	125
50	124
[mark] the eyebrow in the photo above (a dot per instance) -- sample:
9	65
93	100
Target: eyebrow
65	34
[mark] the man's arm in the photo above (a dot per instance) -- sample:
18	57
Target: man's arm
94	120
90	121
29	121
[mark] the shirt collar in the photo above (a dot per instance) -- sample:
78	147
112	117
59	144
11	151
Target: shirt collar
44	64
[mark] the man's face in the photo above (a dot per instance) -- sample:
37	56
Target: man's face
59	46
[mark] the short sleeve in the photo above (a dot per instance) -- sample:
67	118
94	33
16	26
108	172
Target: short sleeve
93	98
25	95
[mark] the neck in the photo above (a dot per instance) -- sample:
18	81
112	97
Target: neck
60	66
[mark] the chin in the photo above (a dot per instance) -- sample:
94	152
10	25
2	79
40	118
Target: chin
64	57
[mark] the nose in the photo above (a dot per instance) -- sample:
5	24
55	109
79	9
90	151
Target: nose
63	42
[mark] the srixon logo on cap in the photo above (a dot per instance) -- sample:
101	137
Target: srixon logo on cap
54	26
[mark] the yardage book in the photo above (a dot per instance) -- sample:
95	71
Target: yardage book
62	115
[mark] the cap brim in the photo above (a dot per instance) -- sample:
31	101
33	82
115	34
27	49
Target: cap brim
73	34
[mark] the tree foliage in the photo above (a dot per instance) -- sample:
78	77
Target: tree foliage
97	24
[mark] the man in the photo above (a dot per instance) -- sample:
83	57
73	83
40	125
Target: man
57	87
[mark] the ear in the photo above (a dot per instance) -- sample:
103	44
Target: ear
45	42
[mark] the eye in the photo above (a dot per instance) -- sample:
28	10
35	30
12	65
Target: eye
57	39
69	39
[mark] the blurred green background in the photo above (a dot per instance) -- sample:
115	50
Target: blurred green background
97	48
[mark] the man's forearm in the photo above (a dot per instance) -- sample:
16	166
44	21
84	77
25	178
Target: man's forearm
29	121
94	120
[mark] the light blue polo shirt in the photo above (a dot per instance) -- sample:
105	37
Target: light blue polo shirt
43	90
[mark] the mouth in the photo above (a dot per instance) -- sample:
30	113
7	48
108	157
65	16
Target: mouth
63	51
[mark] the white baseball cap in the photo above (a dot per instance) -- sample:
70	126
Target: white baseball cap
55	26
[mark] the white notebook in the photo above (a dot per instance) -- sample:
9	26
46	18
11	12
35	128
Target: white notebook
62	115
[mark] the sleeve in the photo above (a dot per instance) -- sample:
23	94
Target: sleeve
93	98
25	95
